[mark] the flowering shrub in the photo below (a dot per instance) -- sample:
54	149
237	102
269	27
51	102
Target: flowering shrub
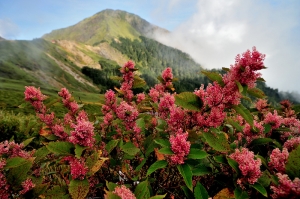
162	144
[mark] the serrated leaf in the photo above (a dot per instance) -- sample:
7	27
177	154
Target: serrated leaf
79	189
233	165
15	162
130	148
244	112
138	82
142	191
111	145
27	141
157	165
260	189
240	194
292	166
213	76
217	140
189	101
41	153
163	142
78	150
57	192
201	170
110	195
197	154
200	192
60	148
256	92
186	173
158	197
111	186
166	150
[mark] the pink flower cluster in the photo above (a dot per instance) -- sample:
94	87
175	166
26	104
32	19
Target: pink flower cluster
180	146
128	114
286	188
261	105
249	167
83	133
27	185
12	149
4	186
167	76
124	192
273	119
126	86
165	104
67	100
279	159
292	143
78	168
156	92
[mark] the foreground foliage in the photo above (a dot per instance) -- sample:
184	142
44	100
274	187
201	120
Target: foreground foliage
162	144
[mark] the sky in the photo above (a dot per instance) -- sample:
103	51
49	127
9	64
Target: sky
213	32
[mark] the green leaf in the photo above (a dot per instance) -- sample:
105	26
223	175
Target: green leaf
60	148
130	148
78	150
15	162
139	167
240	194
213	76
57	192
197	154
111	186
158	196
236	125
79	189
201	170
267	128
220	159
262	141
200	192
256	92
292	166
265	179
27	141
166	150
244	112
138	82
189	101
163	142
260	189
157	165
111	145
233	164
41	153
142	191
239	85
110	195
217	140
186	173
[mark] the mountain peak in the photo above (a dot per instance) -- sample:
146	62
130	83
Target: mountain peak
2	39
106	26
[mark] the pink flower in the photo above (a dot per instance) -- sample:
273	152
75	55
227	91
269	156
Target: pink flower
140	97
273	119
166	103
249	167
59	131
177	118
180	146
67	101
279	159
27	185
286	188
13	149
78	168
33	94
167	74
124	192
292	143
261	104
5	192
128	114
83	133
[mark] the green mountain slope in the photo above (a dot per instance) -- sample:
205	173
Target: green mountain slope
106	25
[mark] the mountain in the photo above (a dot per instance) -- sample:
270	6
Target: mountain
82	57
106	25
2	39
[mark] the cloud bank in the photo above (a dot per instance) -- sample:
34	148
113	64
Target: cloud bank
219	30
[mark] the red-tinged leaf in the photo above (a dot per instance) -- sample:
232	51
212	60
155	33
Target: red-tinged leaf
79	189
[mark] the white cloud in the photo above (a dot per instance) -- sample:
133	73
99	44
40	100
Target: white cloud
220	30
8	29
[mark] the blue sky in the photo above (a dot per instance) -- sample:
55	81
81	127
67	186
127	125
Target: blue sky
213	32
